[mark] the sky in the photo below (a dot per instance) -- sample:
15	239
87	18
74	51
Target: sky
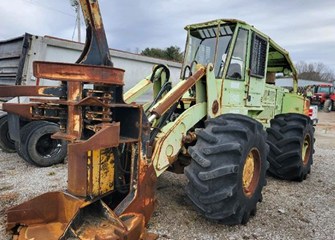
305	28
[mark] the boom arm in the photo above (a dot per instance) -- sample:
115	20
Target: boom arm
96	51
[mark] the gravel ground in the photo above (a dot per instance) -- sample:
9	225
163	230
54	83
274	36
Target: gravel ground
289	210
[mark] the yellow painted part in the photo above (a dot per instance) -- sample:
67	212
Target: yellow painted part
101	173
248	171
305	149
96	172
138	90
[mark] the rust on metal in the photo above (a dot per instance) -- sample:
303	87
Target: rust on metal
43	91
24	110
189	137
104	199
107	137
170	99
96	49
132	227
64	136
34	111
78	73
92	101
54	208
51	216
144	201
74	113
88	101
215	107
50	101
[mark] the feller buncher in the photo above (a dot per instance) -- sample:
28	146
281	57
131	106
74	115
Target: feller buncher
224	125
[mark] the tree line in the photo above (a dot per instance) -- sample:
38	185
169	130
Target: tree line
172	53
316	71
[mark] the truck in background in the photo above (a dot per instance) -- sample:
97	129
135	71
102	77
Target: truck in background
324	97
33	142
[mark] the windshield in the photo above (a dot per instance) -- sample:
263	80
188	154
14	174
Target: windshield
207	45
323	90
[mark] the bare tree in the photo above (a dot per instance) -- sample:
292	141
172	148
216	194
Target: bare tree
316	71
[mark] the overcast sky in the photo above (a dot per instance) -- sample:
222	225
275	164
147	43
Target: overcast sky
306	28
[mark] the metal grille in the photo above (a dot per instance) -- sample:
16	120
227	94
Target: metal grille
258	56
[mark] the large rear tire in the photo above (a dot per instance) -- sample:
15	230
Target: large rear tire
328	105
228	167
24	133
291	141
6	143
38	148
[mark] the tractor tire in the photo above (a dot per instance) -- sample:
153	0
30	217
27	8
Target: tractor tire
328	105
6	143
37	146
291	141
228	168
24	132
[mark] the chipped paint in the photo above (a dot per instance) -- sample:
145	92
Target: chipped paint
173	133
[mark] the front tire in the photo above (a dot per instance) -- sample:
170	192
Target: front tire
228	167
291	141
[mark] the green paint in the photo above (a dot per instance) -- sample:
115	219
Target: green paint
292	103
169	140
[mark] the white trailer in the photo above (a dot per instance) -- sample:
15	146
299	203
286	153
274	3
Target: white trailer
18	54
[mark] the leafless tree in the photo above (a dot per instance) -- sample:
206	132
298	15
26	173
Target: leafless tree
316	71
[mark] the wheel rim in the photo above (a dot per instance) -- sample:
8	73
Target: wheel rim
47	147
251	171
306	149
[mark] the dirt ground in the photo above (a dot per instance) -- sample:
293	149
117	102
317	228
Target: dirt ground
289	210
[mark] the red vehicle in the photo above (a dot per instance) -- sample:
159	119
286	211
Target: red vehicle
324	97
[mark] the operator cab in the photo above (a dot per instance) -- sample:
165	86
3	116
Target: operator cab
234	48
208	45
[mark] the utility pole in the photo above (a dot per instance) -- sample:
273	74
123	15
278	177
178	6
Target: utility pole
78	21
77	8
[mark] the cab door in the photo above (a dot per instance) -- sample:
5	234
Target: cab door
236	77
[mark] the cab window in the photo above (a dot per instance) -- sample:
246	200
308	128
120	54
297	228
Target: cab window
258	56
203	45
236	67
